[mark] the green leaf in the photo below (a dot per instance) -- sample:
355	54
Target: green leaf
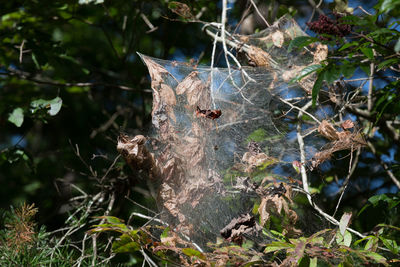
347	70
125	244
390	244
113	220
387	63
301	41
275	246
192	252
388	5
332	73
53	106
164	234
317	87
366	69
257	136
391	201
345	239
363	208
17	117
347	45
34	59
397	46
313	262
306	71
372	243
376	257
368	52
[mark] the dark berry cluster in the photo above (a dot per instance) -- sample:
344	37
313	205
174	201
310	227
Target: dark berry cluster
329	26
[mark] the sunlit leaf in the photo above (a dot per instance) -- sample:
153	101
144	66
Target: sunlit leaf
389	5
397	46
390	244
85	2
17	117
52	106
306	71
367	52
192	252
275	246
313	262
125	244
344	222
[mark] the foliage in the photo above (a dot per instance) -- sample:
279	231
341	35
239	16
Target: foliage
23	245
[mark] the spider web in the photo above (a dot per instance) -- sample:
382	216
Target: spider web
205	163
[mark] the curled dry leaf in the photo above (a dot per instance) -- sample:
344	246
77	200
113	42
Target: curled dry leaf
155	71
347	124
192	151
194	88
252	161
237	227
168	196
181	9
137	156
278	38
328	131
321	53
191	81
273	203
259	57
167	94
340	141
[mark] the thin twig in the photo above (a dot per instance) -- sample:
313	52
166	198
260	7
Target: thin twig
148	23
21	51
352	167
28	77
371	83
305	178
259	13
300	109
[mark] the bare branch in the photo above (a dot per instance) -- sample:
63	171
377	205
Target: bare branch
352	168
259	13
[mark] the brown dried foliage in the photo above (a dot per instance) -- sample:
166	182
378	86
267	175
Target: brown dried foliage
21	228
339	140
259	57
238	227
276	201
179	167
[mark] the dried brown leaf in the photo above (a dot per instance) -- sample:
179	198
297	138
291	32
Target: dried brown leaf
167	94
155	71
259	57
189	82
328	131
181	9
278	38
259	159
264	214
137	156
168	196
347	124
321	53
